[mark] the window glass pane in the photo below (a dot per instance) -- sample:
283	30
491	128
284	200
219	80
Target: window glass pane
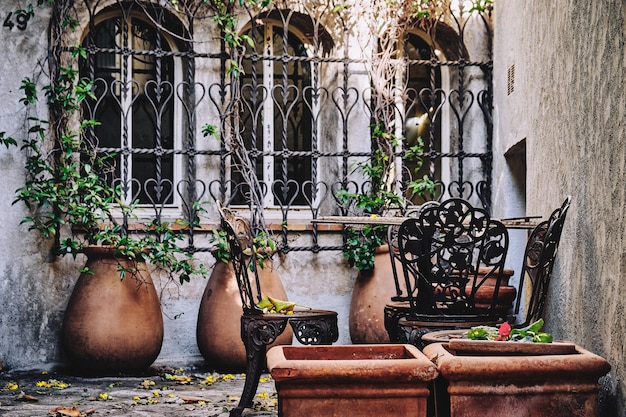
152	113
292	116
290	110
422	83
136	105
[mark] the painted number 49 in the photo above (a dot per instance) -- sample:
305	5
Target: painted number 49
18	19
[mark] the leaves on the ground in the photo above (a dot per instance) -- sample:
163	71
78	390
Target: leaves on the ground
147	384
22	396
65	412
11	386
193	400
70	412
179	379
52	383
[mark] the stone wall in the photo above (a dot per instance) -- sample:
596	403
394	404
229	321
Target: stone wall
567	104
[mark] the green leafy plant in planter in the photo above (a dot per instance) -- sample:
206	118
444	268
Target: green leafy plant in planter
380	197
113	320
264	246
69	198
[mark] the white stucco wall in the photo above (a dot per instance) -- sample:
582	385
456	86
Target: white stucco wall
568	103
32	289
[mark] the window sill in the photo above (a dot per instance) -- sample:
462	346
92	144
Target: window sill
294	226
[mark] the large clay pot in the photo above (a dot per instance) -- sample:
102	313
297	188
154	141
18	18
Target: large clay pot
484	294
380	380
112	325
219	318
372	291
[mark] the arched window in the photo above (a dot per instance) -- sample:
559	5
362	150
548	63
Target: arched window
134	78
277	117
423	112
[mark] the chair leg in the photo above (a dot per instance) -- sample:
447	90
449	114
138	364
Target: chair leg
257	334
391	324
412	335
253	374
392	316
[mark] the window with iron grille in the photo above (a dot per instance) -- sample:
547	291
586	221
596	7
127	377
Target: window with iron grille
135	74
284	138
304	108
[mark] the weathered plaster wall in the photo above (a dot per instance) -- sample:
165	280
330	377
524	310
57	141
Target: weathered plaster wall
569	104
32	289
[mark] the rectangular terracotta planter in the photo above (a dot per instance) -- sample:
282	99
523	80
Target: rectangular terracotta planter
351	380
516	384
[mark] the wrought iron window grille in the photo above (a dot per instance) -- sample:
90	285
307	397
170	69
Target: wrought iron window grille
188	86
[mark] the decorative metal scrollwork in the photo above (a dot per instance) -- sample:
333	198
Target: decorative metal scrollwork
315	330
259	332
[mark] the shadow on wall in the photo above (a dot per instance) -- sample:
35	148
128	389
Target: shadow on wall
608	397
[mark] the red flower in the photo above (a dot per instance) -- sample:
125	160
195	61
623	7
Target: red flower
504	331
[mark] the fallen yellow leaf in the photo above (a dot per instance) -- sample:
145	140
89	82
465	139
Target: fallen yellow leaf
192	400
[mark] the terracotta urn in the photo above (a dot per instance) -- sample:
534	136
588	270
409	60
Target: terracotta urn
112	325
371	292
484	293
515	379
218	331
385	380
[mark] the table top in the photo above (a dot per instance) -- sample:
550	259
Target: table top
528	222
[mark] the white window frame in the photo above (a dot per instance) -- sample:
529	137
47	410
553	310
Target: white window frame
174	209
268	130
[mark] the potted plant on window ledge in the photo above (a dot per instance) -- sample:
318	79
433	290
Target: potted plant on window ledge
366	247
113	321
218	328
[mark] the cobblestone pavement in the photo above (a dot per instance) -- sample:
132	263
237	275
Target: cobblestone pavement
161	392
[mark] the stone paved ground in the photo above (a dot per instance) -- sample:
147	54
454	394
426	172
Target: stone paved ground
161	392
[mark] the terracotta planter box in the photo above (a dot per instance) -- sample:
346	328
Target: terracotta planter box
487	381
351	380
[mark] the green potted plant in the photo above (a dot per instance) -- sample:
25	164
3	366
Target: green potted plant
113	320
218	325
365	247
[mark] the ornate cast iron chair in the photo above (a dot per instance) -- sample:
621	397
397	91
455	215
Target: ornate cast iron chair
259	329
537	265
538	262
441	252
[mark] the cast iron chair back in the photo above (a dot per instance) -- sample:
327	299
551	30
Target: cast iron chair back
539	257
538	263
399	305
394	252
241	246
441	252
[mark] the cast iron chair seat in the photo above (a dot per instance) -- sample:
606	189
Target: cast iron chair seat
441	253
537	265
260	329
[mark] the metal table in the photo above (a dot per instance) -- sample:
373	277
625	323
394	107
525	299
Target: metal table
527	222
